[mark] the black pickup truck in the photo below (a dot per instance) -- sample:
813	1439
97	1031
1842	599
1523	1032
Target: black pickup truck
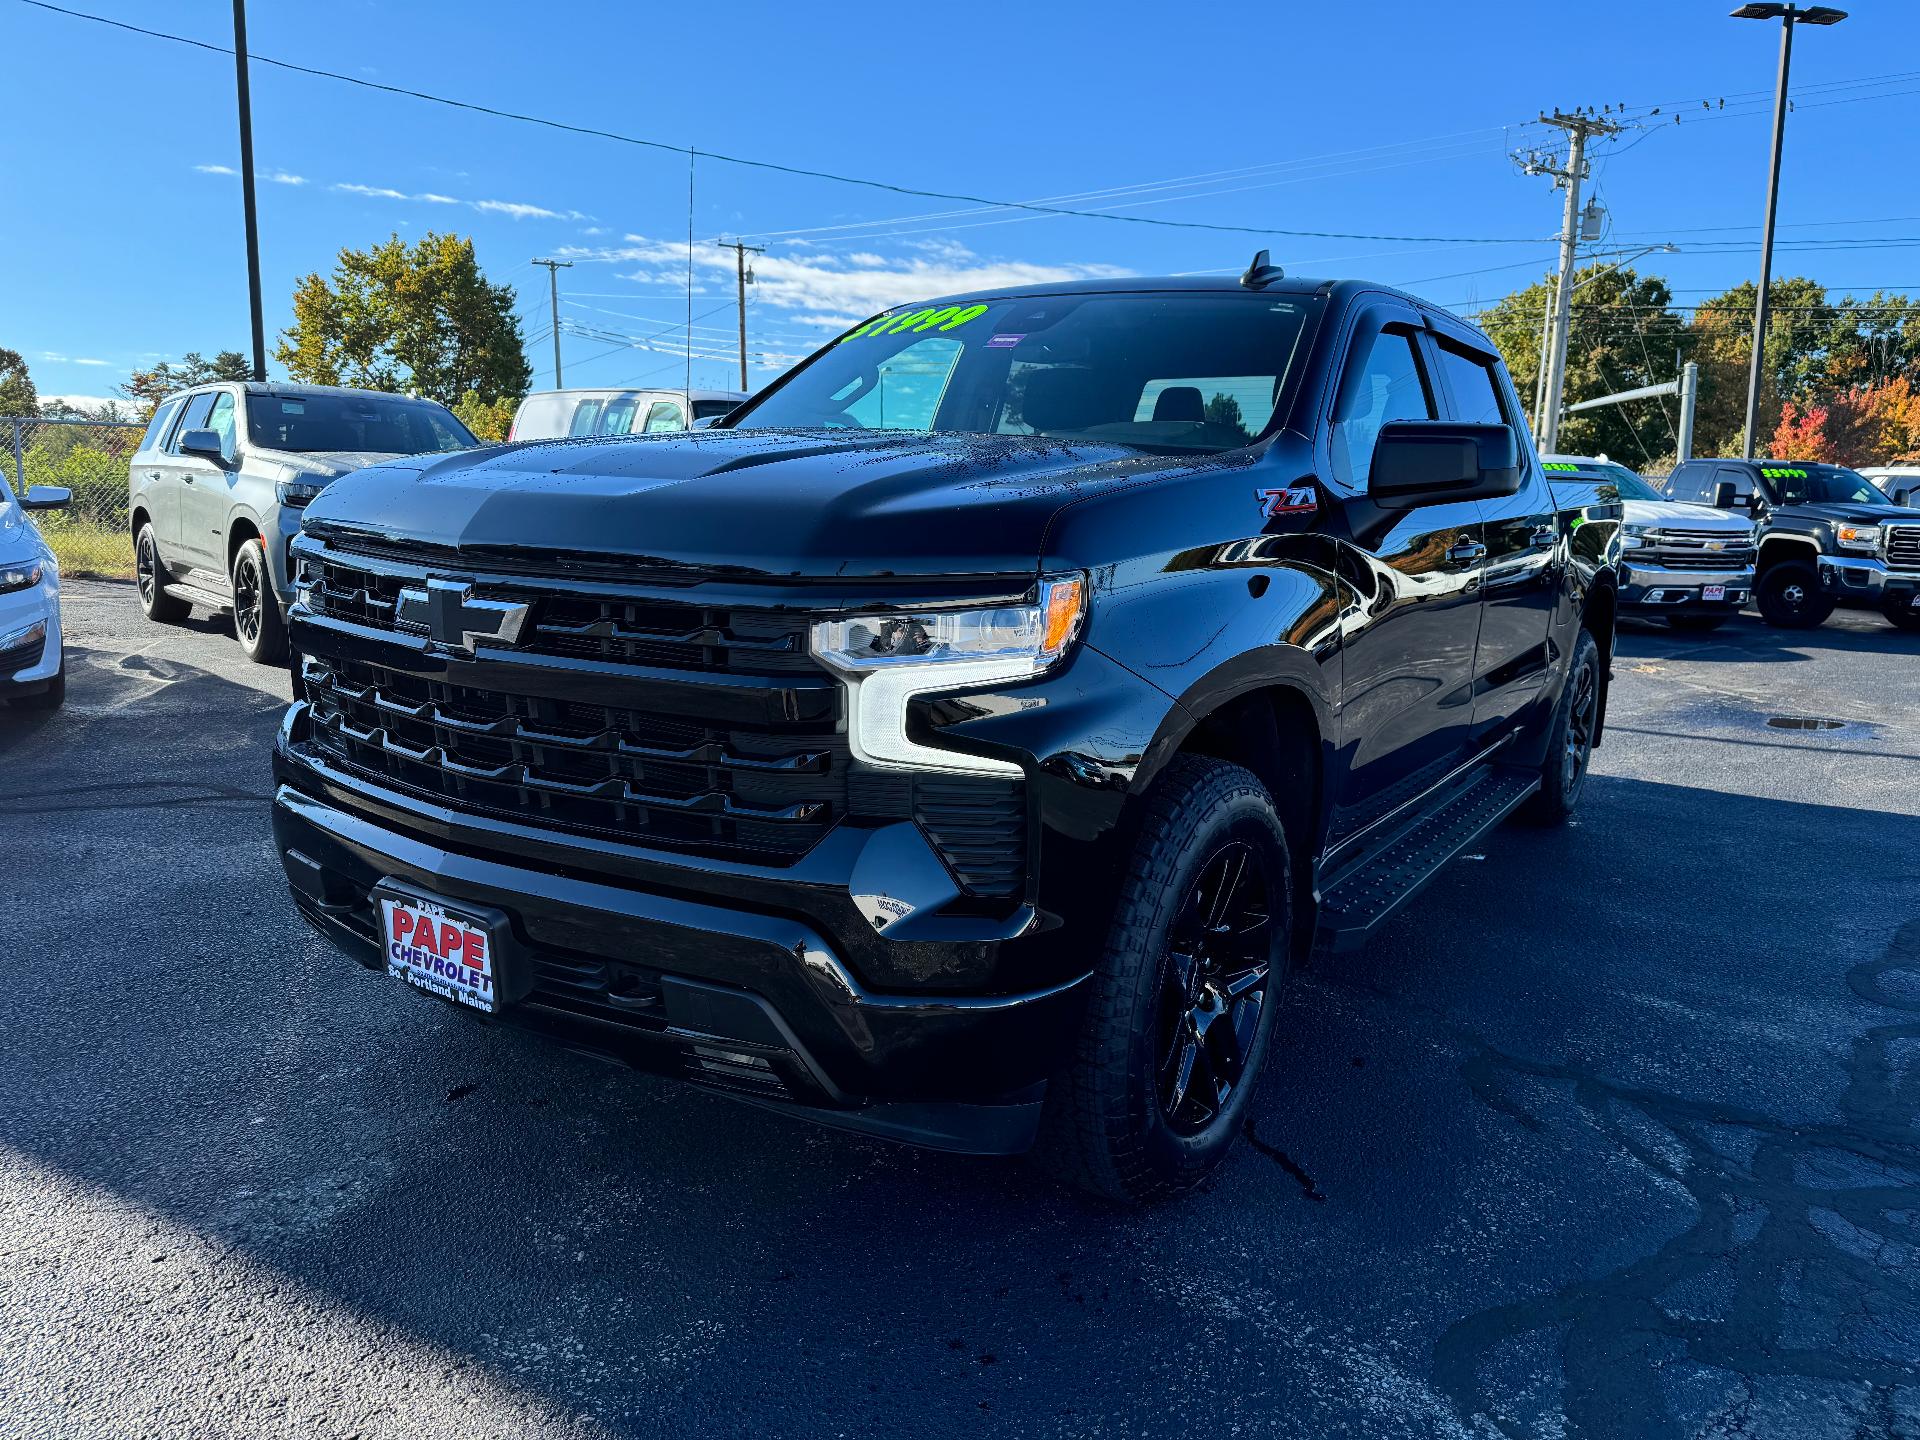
962	743
1828	537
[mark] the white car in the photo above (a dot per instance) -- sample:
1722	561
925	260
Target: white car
1895	481
33	668
1690	565
565	414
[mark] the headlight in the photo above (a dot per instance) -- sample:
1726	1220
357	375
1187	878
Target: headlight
888	658
20	577
1858	537
1637	536
298	492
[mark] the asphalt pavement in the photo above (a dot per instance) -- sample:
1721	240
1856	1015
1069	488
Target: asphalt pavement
1612	1134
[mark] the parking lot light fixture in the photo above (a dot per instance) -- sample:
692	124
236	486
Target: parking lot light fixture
1788	16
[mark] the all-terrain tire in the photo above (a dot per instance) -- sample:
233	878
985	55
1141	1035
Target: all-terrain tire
1563	774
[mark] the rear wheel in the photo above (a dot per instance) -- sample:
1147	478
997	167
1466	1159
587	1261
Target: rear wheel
1178	1025
256	613
1697	622
1563	775
148	574
1788	595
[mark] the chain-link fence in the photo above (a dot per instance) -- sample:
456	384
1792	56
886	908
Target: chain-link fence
90	458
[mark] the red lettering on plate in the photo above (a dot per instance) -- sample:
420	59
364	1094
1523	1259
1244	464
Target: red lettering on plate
402	923
449	938
423	935
473	947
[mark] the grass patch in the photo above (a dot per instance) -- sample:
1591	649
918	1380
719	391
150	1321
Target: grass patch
86	548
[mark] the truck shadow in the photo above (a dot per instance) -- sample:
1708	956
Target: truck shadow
1563	1145
1748	638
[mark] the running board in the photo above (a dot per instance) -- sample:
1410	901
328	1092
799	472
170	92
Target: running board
1357	898
204	596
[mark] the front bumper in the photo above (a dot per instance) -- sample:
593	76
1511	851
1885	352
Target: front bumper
1653	588
29	665
1867	580
732	978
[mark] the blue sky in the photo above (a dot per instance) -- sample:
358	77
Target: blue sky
121	239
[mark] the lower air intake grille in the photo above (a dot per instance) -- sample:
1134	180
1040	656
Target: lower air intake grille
979	828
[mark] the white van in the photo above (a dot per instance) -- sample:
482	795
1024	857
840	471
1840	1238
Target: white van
559	414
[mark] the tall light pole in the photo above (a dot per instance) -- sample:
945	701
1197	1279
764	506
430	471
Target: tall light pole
246	187
743	277
1788	16
554	267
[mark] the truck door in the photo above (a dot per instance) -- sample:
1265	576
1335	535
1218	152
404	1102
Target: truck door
1412	613
152	487
174	470
1524	566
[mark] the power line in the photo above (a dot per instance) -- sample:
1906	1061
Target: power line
693	152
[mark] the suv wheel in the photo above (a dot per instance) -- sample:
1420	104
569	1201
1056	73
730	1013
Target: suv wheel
1903	617
1789	595
256	613
148	574
1563	775
1184	996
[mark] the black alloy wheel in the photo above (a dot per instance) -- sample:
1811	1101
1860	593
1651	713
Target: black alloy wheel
247	602
1213	985
256	613
1583	711
155	603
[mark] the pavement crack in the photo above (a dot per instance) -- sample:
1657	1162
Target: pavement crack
1285	1161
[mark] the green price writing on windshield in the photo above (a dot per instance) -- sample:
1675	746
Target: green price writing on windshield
1560	467
950	318
1783	472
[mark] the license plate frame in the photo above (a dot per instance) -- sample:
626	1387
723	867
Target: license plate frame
1713	592
444	947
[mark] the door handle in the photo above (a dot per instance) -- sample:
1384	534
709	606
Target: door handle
153	474
187	478
1465	552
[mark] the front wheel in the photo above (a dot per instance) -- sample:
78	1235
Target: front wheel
1576	720
1177	1028
256	613
1788	595
1903	617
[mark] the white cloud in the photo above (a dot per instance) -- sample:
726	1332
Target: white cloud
837	286
432	199
522	211
282	177
216	170
84	361
375	192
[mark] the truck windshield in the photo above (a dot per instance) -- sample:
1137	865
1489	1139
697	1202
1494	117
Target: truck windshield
377	424
1812	484
1168	373
1606	472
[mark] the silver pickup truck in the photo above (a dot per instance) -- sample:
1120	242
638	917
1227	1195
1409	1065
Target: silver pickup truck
1691	565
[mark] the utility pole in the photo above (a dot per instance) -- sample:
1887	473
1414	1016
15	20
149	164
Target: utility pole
1788	16
554	267
1579	126
246	187
743	277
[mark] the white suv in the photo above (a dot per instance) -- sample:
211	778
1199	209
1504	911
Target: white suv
33	666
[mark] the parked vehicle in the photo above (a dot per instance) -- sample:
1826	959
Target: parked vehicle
1690	565
563	414
1827	537
33	662
963	743
217	487
1899	483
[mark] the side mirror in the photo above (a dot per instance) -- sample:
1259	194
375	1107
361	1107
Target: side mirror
206	444
1903	498
1725	493
1429	462
1756	502
45	497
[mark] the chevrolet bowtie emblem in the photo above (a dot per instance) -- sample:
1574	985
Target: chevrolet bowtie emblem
1716	545
446	613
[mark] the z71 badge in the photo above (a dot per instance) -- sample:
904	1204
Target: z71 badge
1294	500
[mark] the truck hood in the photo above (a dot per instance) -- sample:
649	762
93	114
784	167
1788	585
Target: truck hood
1847	514
1682	515
766	503
314	465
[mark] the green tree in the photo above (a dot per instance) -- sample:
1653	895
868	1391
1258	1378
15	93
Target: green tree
1798	328
420	318
17	395
147	388
488	420
1623	333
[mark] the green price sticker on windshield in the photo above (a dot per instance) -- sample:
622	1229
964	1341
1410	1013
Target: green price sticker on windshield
1783	472
1560	467
952	317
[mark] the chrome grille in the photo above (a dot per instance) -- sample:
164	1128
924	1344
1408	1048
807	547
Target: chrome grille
1680	549
1903	546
